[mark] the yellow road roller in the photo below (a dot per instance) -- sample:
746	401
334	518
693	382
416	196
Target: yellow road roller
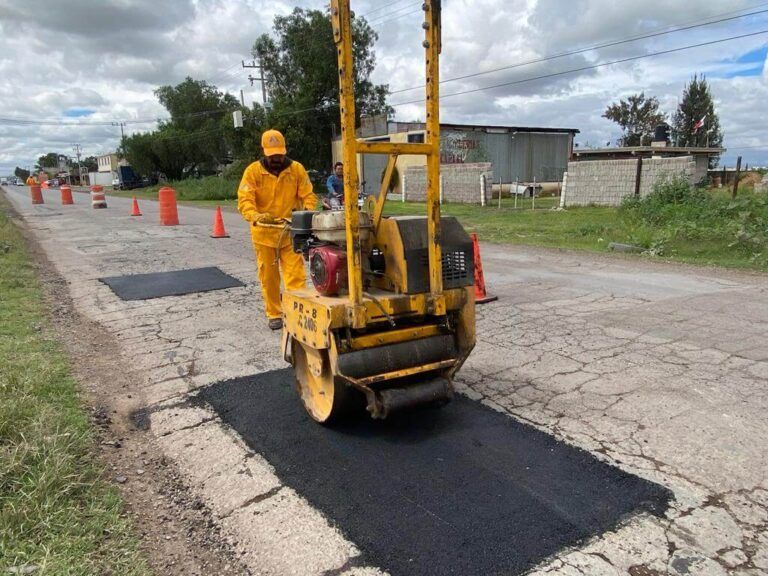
391	317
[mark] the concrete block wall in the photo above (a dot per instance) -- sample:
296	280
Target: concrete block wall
608	182
762	186
460	182
600	182
656	169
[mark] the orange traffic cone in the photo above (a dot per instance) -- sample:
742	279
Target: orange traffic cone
218	225
135	211
481	296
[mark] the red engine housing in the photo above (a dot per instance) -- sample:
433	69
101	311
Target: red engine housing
328	269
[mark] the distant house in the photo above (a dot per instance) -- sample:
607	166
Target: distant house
107	163
106	170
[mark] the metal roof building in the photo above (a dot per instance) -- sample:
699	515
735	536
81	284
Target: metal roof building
518	153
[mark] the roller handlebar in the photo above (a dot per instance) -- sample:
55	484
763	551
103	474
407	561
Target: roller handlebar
280	224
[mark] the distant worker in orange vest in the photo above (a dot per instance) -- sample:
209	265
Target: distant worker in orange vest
271	189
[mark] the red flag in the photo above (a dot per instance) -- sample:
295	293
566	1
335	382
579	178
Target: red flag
699	124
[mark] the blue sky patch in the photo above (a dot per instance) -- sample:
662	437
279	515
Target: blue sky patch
78	112
748	64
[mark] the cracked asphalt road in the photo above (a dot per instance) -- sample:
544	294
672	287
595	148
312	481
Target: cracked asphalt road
659	369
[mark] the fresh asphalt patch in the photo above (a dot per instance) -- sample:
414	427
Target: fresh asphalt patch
458	490
175	283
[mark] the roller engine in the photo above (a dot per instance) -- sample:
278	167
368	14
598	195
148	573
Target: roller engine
321	238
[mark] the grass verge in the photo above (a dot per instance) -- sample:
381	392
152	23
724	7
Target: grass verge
676	223
210	189
57	513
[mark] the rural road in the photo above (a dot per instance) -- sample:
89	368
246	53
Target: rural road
659	370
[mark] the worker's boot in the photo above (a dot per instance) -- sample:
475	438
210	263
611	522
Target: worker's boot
275	323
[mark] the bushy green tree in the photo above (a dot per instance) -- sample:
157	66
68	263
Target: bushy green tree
198	137
300	66
89	164
21	173
637	116
696	105
50	160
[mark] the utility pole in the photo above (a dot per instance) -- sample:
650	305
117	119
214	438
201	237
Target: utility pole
259	78
122	134
77	148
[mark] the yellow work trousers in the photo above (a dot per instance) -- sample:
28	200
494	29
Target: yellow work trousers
292	267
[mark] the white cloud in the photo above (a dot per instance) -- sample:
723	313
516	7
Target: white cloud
109	56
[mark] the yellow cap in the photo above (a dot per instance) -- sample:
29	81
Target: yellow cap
273	143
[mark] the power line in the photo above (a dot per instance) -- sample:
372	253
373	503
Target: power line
386	17
682	28
147	120
29	122
224	73
379	24
380	8
591	67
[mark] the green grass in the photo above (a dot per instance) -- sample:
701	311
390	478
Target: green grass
210	190
56	510
577	228
713	230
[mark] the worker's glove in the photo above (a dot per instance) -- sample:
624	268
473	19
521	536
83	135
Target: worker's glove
265	218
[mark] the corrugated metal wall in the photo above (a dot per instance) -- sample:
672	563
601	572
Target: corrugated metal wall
373	167
515	156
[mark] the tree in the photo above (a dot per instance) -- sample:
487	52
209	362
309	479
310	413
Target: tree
300	67
169	151
21	173
201	111
697	105
197	139
89	164
637	116
50	160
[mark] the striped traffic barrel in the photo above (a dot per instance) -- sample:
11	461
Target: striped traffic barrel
98	199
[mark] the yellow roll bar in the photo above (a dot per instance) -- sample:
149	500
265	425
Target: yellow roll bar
342	35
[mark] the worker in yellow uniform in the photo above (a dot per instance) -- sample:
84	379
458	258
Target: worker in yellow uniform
271	189
31	180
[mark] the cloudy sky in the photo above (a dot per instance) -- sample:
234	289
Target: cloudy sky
73	67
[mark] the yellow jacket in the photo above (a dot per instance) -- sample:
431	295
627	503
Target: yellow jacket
261	192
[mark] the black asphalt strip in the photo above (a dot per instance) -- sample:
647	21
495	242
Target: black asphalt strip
175	283
458	490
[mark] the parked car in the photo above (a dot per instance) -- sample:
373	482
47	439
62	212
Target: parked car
52	183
